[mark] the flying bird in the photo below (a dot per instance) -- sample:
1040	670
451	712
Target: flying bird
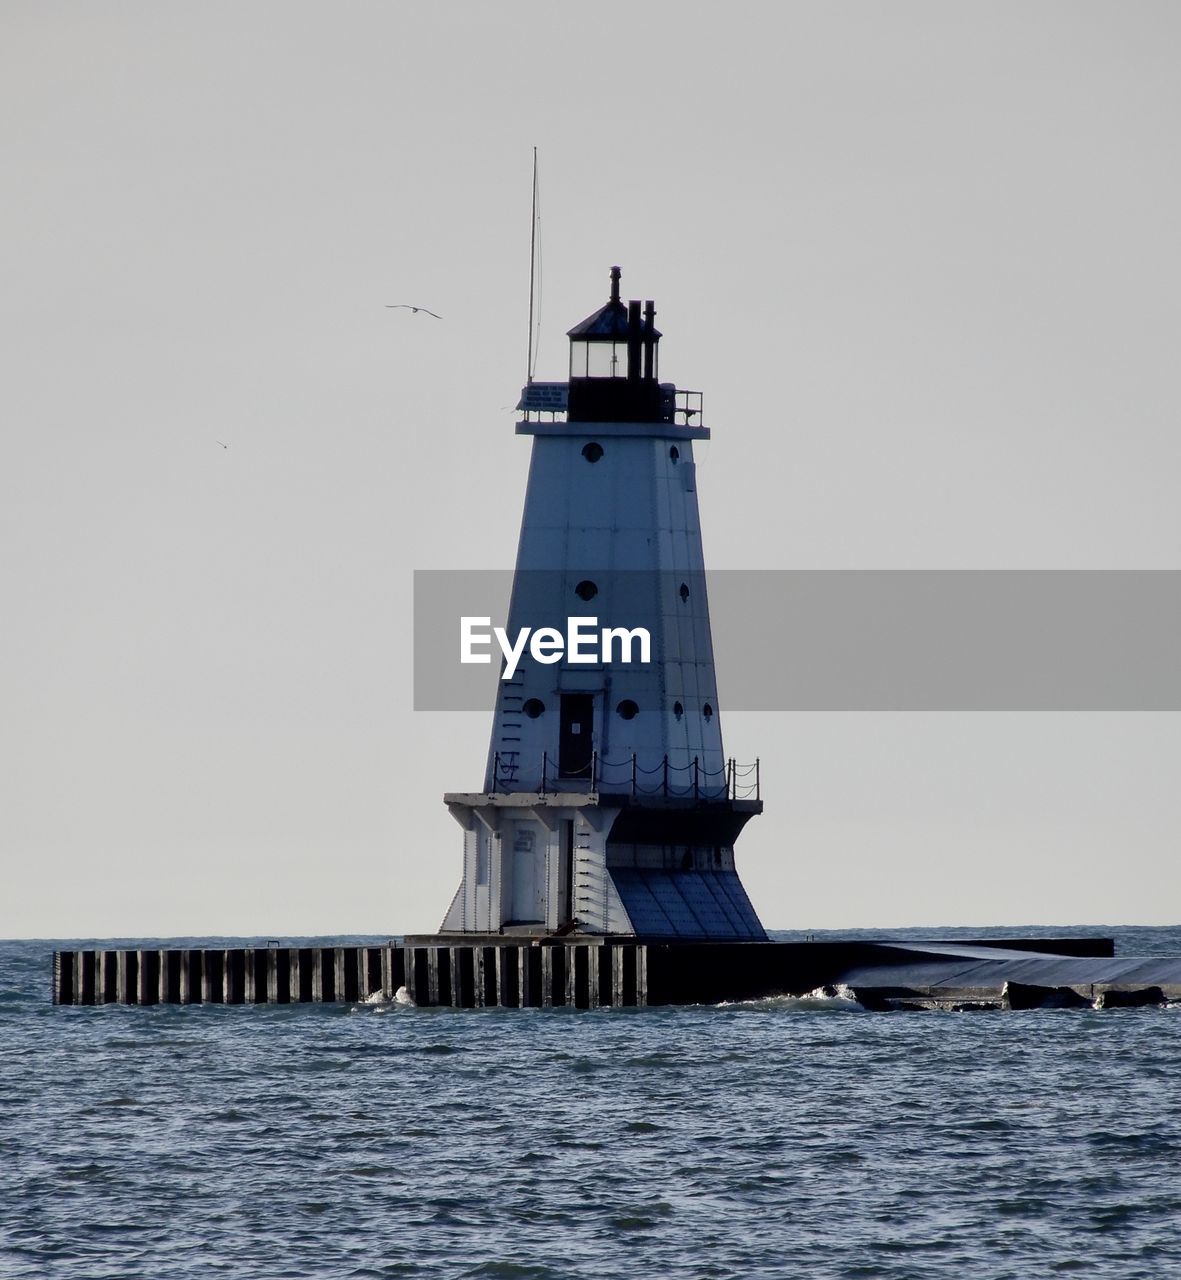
223	444
406	306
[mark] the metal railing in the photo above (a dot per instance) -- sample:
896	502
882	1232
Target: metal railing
688	405
549	401
693	780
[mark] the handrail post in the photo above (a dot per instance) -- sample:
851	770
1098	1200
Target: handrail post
696	789
758	788
544	769
633	775
666	777
594	769
495	771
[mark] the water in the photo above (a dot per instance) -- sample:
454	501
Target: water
777	1138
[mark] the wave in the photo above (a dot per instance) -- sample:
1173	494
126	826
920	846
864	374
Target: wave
832	999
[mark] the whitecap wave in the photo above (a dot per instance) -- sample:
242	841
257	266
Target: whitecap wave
835	999
400	997
839	997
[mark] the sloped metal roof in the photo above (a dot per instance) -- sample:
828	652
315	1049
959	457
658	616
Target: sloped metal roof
687	904
609	321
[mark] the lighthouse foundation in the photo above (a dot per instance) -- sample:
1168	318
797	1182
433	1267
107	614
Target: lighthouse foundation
615	973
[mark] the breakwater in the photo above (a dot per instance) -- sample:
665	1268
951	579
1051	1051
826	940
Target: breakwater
492	971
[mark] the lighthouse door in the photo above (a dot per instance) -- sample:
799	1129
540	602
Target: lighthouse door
528	874
575	735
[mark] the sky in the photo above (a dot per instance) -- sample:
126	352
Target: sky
921	259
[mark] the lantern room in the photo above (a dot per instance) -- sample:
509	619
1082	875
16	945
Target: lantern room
614	363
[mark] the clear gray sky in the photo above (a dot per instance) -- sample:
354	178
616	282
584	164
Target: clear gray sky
921	258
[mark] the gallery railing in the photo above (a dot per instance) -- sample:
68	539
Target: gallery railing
693	780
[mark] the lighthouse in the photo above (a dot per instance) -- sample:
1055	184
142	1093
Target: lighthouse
598	859
609	806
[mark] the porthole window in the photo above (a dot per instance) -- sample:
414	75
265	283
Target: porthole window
592	452
586	590
678	710
707	711
684	592
675	454
627	709
533	708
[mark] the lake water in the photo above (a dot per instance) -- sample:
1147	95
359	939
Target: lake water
778	1138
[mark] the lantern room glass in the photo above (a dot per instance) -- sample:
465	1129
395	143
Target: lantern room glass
590	359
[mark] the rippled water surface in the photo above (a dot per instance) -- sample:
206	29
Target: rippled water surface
770	1139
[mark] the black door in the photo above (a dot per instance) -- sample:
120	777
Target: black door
575	740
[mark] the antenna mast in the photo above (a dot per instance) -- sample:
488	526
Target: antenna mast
532	269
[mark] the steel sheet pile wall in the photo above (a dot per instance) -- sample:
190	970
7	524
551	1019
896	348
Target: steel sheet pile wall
585	976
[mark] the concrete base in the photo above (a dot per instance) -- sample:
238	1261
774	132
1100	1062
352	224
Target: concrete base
467	971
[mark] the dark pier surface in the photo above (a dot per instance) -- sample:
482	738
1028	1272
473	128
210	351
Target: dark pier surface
951	975
477	972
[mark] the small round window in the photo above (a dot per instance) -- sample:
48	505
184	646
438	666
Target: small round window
586	590
707	711
678	710
627	709
684	592
533	708
675	454
592	452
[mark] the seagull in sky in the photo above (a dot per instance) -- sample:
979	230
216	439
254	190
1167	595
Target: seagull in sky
406	306
223	444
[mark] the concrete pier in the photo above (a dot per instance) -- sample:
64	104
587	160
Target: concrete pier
491	971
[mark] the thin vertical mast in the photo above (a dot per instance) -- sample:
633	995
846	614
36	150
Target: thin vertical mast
532	269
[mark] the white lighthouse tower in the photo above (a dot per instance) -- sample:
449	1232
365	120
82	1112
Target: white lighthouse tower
609	806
